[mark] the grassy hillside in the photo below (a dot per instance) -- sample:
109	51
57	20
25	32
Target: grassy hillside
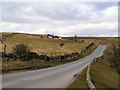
40	45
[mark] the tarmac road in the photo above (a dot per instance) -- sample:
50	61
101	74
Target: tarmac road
54	77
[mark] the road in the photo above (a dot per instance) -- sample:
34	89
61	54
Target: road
54	77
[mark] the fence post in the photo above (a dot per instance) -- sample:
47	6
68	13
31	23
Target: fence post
4	50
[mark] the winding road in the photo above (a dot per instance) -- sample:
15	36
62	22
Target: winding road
54	77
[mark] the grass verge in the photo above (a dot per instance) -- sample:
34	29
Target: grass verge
103	76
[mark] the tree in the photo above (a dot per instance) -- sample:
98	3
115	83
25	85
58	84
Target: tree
21	50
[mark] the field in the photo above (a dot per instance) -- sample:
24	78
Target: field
45	45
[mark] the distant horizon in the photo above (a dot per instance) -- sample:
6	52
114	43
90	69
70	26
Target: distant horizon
59	35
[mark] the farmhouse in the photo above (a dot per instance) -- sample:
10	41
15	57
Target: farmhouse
50	36
60	38
47	36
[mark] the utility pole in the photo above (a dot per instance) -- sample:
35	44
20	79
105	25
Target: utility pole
46	30
88	35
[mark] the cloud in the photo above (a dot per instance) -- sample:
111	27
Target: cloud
84	29
61	18
51	12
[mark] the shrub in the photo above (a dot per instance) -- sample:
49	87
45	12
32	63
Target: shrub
21	50
61	44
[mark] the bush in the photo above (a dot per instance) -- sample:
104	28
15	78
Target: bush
61	44
21	50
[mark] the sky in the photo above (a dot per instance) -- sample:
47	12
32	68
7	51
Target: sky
61	18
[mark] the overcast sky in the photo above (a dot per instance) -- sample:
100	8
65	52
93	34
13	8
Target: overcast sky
63	18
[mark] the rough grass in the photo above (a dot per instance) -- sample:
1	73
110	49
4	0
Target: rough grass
103	76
